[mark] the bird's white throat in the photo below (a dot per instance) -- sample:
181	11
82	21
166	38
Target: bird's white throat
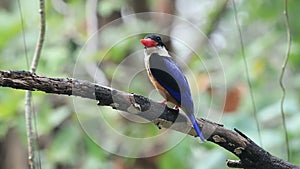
161	50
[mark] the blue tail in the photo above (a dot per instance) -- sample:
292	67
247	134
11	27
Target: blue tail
196	127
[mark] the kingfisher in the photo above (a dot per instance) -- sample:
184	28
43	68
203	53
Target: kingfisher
168	78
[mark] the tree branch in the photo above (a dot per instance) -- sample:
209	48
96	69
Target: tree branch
249	153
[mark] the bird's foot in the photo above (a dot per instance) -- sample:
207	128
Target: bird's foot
176	107
163	102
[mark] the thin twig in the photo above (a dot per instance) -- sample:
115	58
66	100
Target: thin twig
30	137
247	73
283	67
28	106
39	45
23	34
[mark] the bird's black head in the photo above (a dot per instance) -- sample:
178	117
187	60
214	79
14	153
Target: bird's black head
152	40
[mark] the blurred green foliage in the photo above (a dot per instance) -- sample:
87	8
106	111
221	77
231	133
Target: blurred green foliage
63	142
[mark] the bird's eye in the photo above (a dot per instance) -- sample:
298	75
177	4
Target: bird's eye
158	38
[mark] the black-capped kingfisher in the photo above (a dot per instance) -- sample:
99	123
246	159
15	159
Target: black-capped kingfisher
168	78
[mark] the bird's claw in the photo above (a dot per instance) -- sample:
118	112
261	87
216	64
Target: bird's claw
163	102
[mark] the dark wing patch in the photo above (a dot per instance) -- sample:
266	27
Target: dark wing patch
170	76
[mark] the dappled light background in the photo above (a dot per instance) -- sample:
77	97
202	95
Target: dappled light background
98	41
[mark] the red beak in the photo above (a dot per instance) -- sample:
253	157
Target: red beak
148	43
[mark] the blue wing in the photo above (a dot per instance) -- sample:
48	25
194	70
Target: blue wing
169	75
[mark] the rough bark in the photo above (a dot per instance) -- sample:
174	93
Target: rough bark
250	154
